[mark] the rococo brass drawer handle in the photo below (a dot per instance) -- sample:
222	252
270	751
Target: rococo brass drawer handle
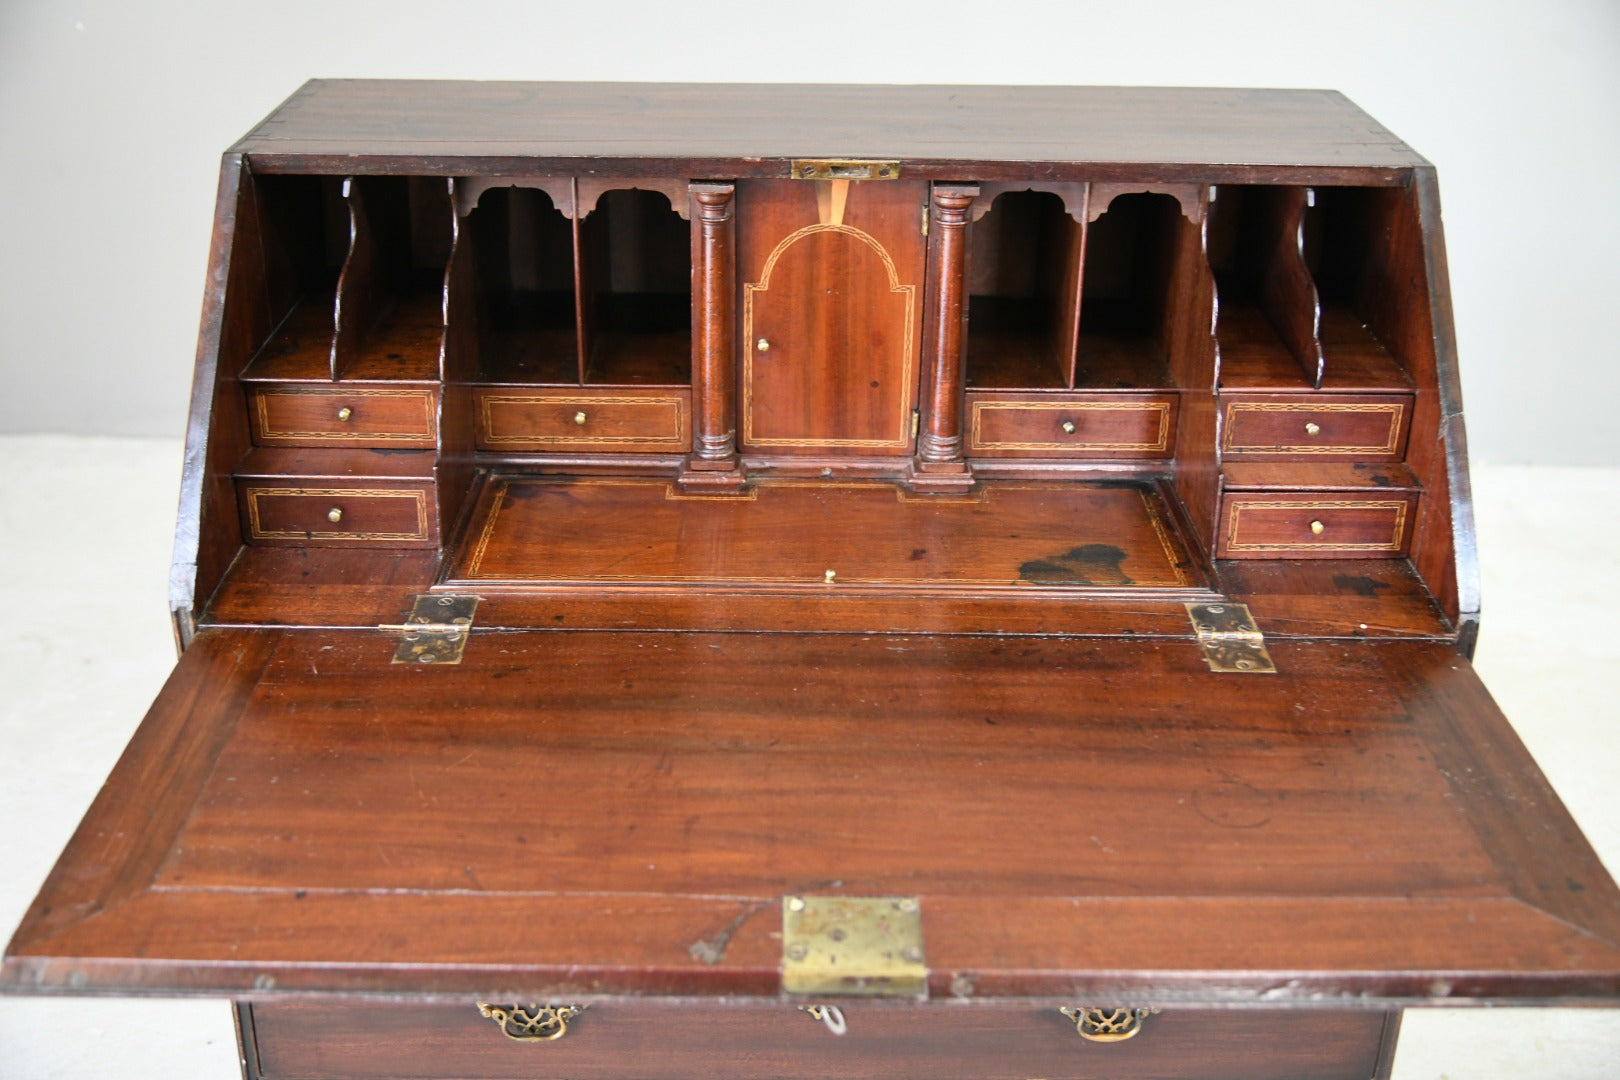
531	1023
1107	1025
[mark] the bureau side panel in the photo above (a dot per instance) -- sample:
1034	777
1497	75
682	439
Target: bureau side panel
235	317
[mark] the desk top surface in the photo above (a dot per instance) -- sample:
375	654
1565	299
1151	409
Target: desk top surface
623	814
743	129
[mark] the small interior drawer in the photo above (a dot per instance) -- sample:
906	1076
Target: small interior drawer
346	416
376	514
541	421
1141	426
1315	525
717	1040
1370	427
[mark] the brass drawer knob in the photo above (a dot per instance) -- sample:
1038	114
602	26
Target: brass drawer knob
763	345
1107	1025
345	412
579	417
1068	427
1312	427
334	515
1318	528
531	1023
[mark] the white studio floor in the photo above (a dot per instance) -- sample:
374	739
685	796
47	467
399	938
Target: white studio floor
85	528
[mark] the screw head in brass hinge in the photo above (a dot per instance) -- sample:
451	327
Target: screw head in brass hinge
1231	641
866	946
436	630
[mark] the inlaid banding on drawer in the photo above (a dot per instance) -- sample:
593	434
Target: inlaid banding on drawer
1310	526
352	416
1372	428
1046	427
559	422
369	515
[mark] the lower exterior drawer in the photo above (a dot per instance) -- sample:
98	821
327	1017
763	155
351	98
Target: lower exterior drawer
564	421
717	1040
1315	427
1112	426
1315	525
343	416
373	515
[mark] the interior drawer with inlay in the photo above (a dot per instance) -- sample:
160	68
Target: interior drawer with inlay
1371	427
1113	425
713	1039
343	415
315	512
548	420
1315	525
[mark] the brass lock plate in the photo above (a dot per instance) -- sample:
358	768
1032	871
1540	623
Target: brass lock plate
844	169
861	946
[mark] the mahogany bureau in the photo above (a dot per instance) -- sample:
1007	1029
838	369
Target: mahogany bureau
824	581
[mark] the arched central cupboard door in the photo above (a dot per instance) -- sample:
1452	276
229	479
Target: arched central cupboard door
831	303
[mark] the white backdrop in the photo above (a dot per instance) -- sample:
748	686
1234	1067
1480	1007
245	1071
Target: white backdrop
113	116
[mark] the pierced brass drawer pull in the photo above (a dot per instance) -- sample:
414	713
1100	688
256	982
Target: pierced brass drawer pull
1107	1025
531	1023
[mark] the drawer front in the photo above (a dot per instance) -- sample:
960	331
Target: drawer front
370	516
1278	428
1116	426
560	422
1315	525
716	1040
339	416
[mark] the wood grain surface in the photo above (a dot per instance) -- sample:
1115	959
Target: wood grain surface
1361	827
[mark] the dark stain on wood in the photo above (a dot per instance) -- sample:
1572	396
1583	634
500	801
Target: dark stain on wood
1088	564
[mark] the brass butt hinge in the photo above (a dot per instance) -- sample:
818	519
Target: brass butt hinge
865	946
436	630
1231	641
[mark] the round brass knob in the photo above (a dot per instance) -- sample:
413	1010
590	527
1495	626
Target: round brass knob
763	345
1068	427
334	515
579	417
1318	528
1312	428
345	412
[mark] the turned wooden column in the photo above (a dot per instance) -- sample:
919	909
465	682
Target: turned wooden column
939	465
713	462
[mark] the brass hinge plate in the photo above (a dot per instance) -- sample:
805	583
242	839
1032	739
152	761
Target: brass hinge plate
1231	641
860	946
436	630
844	169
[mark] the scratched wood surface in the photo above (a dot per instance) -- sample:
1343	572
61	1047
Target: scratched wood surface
622	813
